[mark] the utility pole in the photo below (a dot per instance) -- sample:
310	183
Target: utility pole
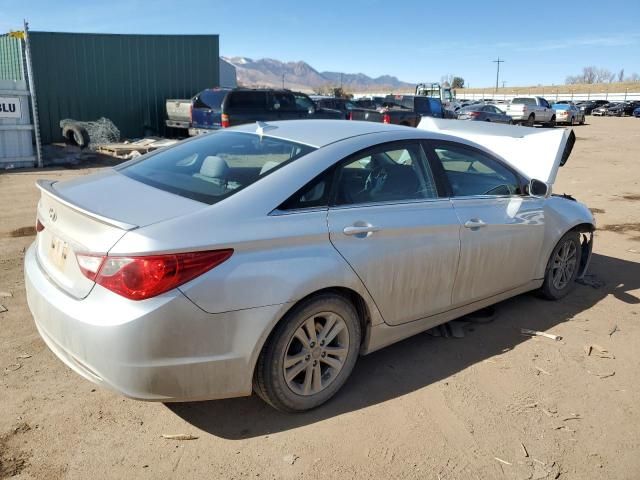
498	62
283	81
340	81
503	83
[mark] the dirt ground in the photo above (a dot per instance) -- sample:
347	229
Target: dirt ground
495	404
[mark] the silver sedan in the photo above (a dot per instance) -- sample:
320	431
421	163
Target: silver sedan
268	257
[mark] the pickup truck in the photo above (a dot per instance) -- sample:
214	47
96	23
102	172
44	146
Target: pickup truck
531	110
405	110
178	113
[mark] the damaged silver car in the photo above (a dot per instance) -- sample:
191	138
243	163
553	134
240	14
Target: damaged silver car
268	257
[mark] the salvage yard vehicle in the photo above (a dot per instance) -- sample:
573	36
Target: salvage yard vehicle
406	110
601	111
622	109
178	113
268	257
217	108
568	113
531	110
483	113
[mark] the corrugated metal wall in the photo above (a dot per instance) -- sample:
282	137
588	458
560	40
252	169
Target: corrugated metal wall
10	58
125	78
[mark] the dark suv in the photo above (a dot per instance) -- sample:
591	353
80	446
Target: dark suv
223	107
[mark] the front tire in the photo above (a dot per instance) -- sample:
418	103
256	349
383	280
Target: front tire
562	267
310	354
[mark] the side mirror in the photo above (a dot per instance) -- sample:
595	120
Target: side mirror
538	188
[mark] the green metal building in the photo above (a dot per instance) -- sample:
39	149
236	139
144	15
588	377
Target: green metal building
125	78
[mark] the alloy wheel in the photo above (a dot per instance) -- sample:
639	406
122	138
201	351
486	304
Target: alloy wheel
316	353
564	264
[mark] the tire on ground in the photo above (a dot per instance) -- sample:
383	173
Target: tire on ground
269	378
76	135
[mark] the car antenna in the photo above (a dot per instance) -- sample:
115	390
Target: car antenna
263	127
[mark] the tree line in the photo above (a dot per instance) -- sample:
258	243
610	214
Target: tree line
601	75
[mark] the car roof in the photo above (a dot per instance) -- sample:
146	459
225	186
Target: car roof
318	133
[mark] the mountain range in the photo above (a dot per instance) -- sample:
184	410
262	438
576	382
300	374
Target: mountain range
268	72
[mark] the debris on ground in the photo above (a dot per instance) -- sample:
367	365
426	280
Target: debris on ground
128	150
503	461
524	450
179	436
549	412
3	308
89	134
23	356
13	367
542	370
588	349
599	351
535	333
290	459
6	294
613	330
602	375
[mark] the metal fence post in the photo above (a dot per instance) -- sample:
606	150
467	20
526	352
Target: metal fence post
32	89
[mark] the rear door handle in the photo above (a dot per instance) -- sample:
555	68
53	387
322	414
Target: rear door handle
360	230
474	223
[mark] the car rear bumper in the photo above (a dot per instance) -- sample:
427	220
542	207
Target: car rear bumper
177	123
162	349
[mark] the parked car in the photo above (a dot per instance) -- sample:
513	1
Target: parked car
229	263
622	109
224	107
636	112
405	110
483	113
601	111
587	107
531	110
341	104
568	113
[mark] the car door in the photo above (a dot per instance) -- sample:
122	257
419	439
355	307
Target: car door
502	229
285	107
401	238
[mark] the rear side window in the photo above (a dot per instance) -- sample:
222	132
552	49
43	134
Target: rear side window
213	167
210	99
253	101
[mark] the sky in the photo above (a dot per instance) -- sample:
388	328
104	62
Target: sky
541	42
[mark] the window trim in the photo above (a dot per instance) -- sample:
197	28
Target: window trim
431	146
418	142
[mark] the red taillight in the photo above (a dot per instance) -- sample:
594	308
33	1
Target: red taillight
224	120
350	116
386	118
474	114
39	225
138	278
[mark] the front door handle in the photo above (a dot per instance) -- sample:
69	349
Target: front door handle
360	231
474	223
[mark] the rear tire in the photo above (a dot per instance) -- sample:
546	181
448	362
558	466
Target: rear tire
562	267
298	368
582	120
552	122
530	121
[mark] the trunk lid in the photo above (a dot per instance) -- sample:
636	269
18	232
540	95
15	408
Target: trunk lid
536	153
90	215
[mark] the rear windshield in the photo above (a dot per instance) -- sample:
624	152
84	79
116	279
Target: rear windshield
210	99
524	101
422	105
561	106
215	166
